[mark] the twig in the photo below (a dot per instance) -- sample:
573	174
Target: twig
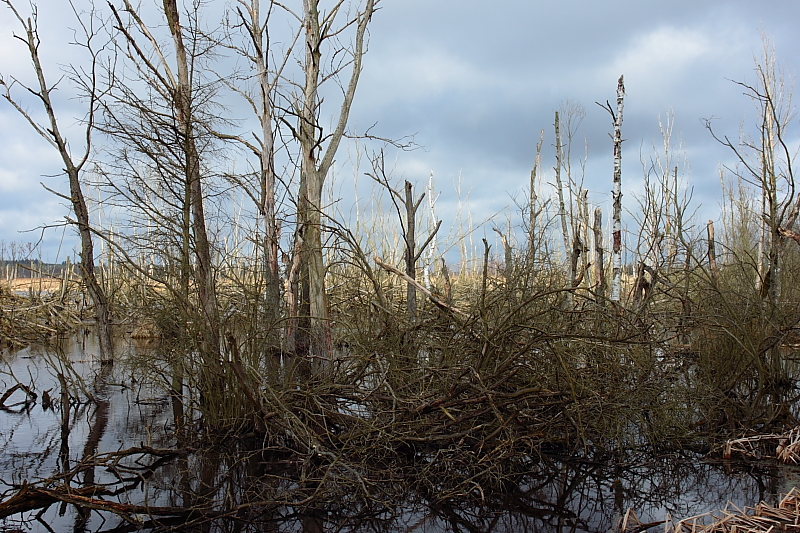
419	287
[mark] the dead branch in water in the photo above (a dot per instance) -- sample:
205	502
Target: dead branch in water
31	396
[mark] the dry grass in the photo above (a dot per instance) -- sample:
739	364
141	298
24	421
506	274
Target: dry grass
35	285
762	518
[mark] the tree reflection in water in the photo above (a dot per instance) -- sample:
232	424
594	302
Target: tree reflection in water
113	465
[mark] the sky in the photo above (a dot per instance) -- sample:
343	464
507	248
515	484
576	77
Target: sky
474	83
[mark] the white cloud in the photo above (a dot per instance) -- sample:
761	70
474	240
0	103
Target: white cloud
663	52
669	57
28	217
26	160
404	74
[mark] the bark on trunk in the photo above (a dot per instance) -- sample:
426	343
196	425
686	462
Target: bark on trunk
599	266
712	253
411	246
562	212
313	171
267	160
182	99
73	170
616	194
534	212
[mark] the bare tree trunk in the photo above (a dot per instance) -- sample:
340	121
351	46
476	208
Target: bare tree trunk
712	253
407	208
182	100
432	222
484	277
674	225
562	212
762	235
266	155
411	246
599	266
313	171
73	169
616	231
534	211
508	255
583	232
576	273
770	188
312	301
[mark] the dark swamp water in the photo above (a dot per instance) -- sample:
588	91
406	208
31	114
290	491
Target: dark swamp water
556	495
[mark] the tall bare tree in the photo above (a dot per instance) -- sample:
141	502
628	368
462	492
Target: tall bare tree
767	160
157	117
182	101
74	165
616	194
253	22
406	206
317	152
535	209
562	208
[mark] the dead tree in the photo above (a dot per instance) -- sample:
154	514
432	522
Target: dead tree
508	255
183	105
74	165
767	159
406	207
562	210
616	194
599	265
317	151
254	47
157	116
572	213
534	209
712	253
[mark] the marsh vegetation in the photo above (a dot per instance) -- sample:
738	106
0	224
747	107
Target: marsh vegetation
301	367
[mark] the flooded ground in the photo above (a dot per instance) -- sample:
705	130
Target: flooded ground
126	435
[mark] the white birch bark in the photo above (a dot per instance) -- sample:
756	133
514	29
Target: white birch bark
616	195
431	224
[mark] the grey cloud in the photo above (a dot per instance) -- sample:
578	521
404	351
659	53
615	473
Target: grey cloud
476	81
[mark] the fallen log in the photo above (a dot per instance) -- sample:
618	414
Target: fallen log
31	497
19	386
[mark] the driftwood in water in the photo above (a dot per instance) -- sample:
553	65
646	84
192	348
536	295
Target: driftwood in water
32	497
762	518
31	396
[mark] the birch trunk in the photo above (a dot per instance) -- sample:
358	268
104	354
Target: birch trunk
432	222
562	212
534	212
616	195
267	160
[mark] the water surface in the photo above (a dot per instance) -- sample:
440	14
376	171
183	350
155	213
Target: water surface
556	494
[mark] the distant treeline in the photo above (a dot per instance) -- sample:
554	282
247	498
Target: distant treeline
34	268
